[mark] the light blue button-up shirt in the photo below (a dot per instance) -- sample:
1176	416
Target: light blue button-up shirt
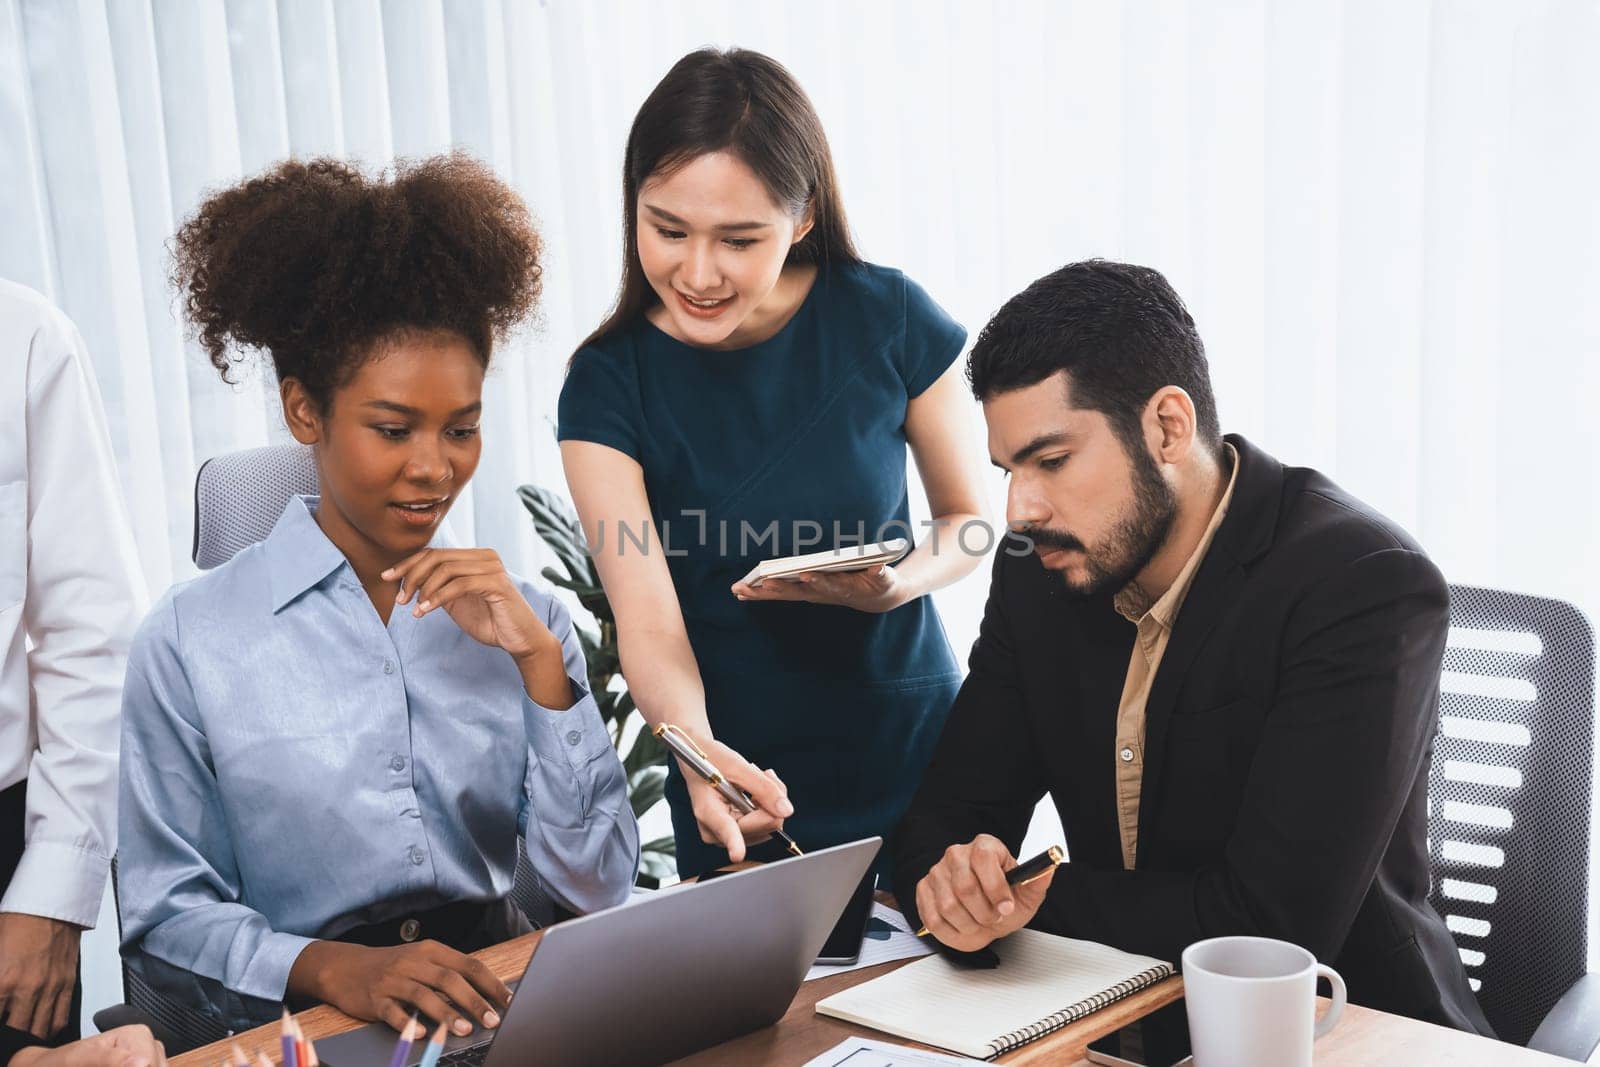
293	768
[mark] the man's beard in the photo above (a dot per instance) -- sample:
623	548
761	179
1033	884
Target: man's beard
1133	541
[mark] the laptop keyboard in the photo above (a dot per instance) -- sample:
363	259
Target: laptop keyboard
466	1057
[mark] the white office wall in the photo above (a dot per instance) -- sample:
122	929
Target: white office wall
1383	214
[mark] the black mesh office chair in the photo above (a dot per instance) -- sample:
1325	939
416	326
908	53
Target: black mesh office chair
1509	798
238	498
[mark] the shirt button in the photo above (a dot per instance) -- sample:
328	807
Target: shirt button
398	763
1126	755
410	930
416	856
573	737
388	666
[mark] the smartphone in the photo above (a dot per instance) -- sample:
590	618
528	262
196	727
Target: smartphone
1160	1039
844	941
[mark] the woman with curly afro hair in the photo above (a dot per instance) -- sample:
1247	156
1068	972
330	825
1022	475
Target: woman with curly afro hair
333	743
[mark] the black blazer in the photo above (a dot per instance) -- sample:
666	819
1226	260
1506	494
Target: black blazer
1287	740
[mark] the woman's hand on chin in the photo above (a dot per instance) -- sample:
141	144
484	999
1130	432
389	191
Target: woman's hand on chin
472	586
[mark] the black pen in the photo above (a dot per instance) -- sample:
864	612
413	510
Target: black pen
683	746
1031	871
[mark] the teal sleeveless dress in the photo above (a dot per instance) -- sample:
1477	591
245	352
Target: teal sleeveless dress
791	445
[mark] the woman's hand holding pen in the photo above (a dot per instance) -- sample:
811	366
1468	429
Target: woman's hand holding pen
473	587
965	900
875	590
719	824
390	984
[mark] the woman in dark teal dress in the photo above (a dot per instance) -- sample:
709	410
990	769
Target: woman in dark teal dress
753	395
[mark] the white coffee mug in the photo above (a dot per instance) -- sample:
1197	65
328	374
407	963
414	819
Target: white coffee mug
1252	1002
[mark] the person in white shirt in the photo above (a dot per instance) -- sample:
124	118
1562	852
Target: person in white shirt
71	596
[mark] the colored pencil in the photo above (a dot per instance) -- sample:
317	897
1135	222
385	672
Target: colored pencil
301	1052
402	1048
291	1057
239	1058
430	1058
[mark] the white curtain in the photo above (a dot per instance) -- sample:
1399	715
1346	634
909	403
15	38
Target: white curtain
1383	214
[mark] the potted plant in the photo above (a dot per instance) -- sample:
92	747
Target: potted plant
644	759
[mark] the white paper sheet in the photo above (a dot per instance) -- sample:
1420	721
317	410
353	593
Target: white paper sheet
861	1052
888	939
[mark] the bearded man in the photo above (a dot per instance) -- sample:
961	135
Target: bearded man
1223	671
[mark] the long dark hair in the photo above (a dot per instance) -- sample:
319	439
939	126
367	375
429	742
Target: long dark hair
747	104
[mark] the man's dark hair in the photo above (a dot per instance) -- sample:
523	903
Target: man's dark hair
1120	333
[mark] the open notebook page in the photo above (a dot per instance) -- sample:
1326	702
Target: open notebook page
1043	982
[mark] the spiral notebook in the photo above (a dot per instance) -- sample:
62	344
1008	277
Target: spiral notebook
1043	983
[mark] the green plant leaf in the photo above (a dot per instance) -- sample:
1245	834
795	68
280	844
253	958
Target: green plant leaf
559	528
645	760
645	789
610	712
655	869
666	846
555	577
596	604
604	660
626	707
645	752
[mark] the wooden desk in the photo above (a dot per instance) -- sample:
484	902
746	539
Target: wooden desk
1363	1037
802	1033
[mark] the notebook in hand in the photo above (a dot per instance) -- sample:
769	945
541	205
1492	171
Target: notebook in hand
844	558
1043	983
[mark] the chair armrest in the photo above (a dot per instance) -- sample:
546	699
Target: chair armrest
1572	1028
128	1015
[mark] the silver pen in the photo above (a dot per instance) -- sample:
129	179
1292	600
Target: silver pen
683	746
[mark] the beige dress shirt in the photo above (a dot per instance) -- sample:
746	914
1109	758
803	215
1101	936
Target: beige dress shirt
1154	622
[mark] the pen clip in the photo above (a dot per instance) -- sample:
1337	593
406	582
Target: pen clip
678	732
1056	855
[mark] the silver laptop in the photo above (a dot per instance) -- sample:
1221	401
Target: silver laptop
659	977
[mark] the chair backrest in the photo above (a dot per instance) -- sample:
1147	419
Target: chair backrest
180	1027
239	496
1509	799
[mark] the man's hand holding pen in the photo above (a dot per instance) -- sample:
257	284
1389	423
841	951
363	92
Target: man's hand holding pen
966	900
